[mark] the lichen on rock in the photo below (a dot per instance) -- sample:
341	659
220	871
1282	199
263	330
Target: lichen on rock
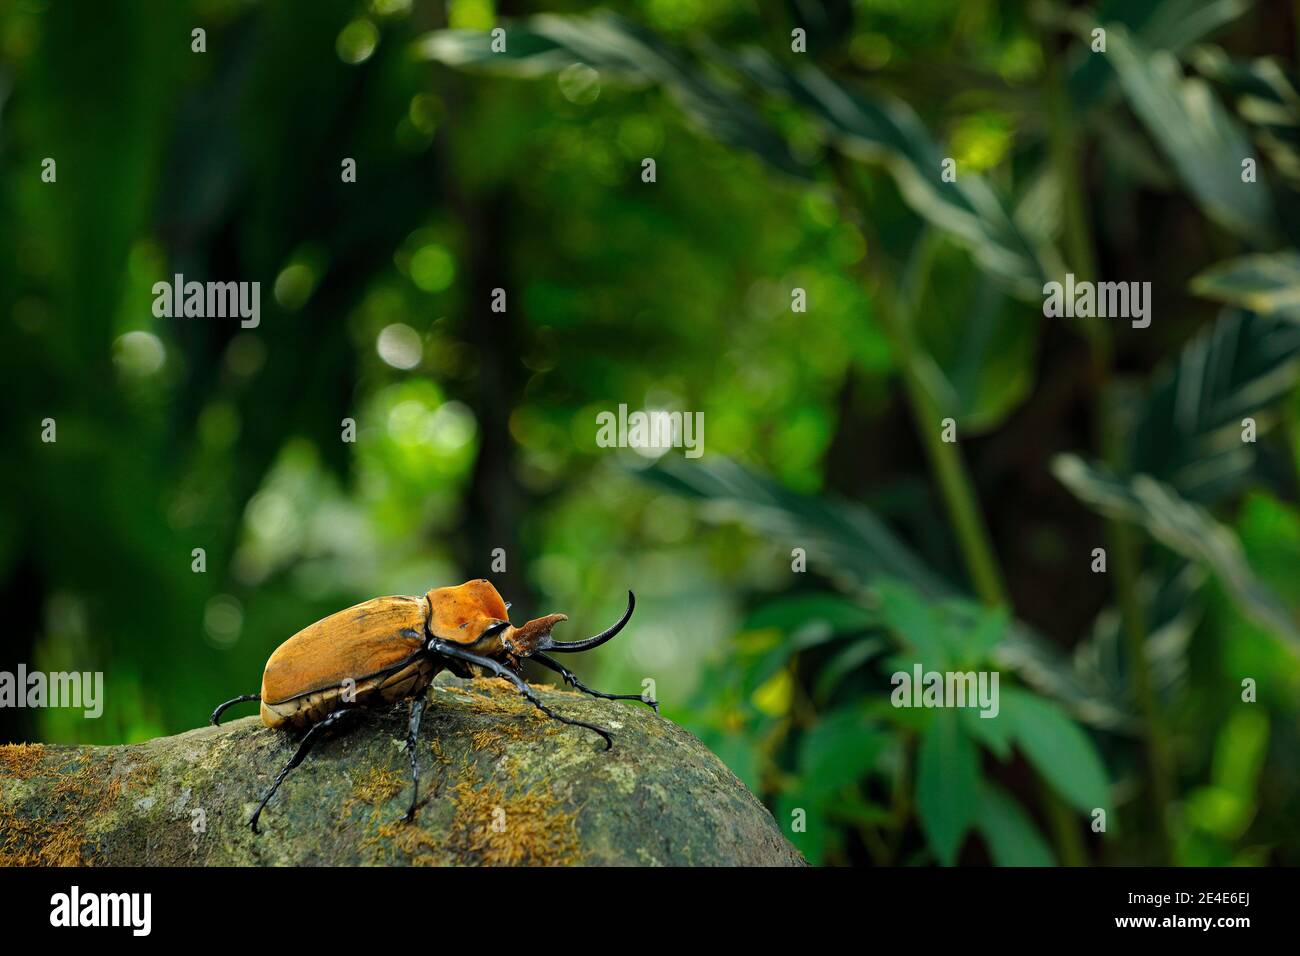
500	784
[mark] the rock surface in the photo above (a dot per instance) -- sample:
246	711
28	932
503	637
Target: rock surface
500	784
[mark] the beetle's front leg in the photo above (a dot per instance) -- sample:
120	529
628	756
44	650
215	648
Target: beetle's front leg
447	649
412	738
572	679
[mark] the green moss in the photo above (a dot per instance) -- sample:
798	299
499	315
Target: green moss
487	757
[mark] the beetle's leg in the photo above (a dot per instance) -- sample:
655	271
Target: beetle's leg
412	738
571	678
500	670
221	709
304	748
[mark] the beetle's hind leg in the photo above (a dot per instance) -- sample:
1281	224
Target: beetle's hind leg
500	670
412	739
222	708
318	731
572	679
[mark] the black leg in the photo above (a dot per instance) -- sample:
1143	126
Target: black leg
412	738
447	649
221	709
571	678
304	748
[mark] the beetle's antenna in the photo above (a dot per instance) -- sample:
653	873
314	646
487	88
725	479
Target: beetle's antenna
221	709
570	647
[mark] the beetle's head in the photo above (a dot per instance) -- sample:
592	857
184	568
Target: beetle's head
474	616
535	636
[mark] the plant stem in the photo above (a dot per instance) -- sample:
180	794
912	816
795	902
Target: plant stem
1065	828
955	485
1125	565
954	481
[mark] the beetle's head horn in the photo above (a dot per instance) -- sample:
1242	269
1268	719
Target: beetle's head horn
536	635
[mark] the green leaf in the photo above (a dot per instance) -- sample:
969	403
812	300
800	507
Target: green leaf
1012	838
1200	138
947	785
1267	282
916	623
1188	431
1158	24
952	633
854	549
1266	98
877	129
993	733
868	128
839	750
981	630
1057	748
621	51
1240	752
1040	664
843	540
818	837
982	342
845	662
788	613
1181	526
1173	610
757	666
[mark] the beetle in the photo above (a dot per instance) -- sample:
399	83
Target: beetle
390	648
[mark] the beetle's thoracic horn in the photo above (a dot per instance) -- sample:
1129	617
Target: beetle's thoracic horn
566	647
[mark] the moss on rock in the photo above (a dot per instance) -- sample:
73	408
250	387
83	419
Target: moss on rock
500	784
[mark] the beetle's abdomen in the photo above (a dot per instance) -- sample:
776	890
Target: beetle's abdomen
366	646
307	709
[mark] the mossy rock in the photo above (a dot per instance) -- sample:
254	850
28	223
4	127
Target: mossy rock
500	785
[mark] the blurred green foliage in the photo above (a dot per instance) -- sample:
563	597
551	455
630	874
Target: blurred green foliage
475	430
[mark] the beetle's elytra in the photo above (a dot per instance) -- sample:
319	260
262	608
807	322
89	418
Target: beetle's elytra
390	648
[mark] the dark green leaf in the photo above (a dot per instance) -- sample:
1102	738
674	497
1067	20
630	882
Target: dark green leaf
917	623
993	733
1267	283
874	128
981	341
1266	98
622	51
1057	748
1181	526
788	613
1196	133
848	544
947	785
839	750
1159	24
845	662
807	826
1188	432
844	540
1012	838
1173	609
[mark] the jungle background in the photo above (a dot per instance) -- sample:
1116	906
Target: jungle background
776	170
